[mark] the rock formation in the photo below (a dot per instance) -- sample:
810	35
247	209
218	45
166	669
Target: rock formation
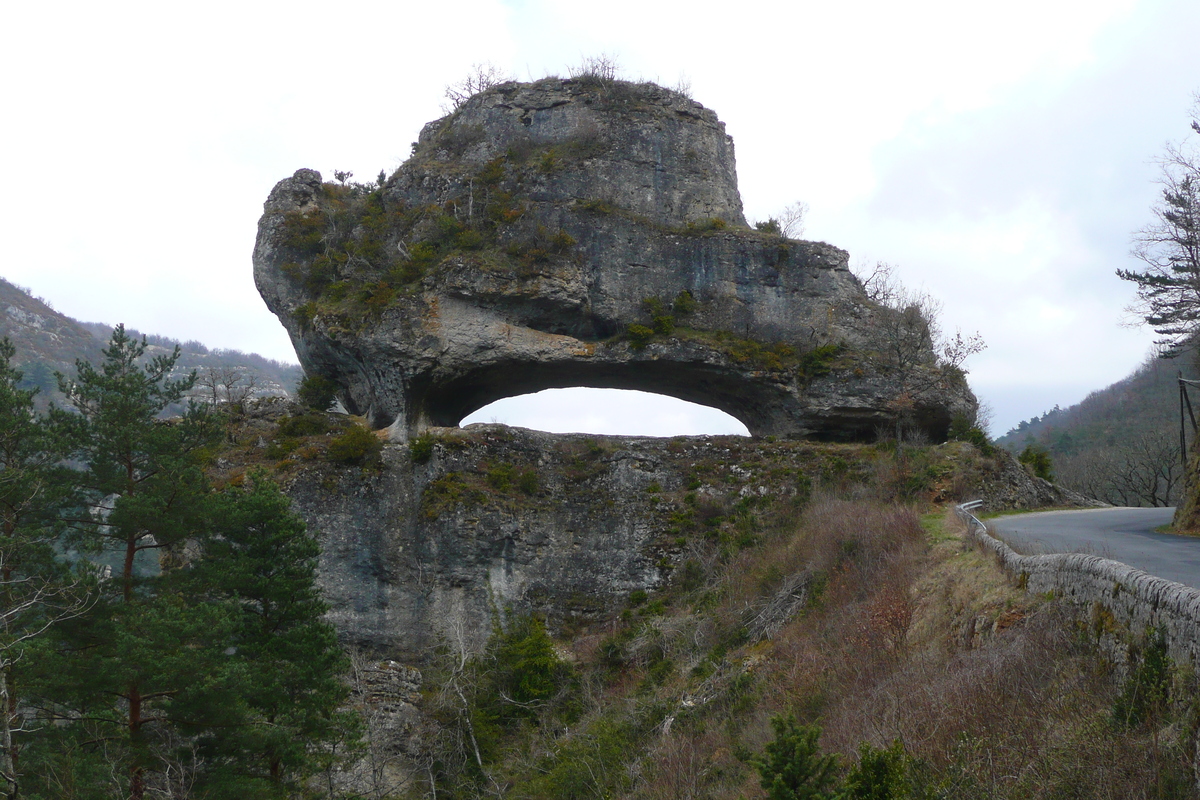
583	233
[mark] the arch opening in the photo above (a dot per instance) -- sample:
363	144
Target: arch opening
608	412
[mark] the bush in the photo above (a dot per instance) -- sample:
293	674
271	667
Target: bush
357	447
792	767
304	425
639	336
1148	687
317	392
420	449
685	303
528	482
878	775
1038	460
962	430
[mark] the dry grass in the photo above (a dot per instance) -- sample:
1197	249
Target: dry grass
916	636
876	623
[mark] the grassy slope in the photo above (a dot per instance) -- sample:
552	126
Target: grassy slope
901	631
870	617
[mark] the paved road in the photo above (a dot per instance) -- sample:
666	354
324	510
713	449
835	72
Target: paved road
1122	534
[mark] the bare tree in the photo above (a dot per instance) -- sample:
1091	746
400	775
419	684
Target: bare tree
908	341
481	78
1144	472
233	386
791	219
790	222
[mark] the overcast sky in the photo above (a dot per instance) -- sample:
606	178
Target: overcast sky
1000	155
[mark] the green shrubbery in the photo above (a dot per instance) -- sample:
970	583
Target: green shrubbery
962	429
1037	458
420	449
317	392
358	446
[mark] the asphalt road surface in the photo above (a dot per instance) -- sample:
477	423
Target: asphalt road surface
1122	534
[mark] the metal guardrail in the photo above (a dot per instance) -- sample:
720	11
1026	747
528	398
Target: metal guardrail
963	511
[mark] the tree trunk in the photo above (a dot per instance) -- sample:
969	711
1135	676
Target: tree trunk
137	773
8	754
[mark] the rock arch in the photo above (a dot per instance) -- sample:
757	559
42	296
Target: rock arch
569	233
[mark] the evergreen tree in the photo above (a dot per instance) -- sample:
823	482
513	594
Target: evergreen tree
269	721
210	666
792	767
144	491
1169	287
35	588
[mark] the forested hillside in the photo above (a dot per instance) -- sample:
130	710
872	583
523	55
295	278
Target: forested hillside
1119	444
47	342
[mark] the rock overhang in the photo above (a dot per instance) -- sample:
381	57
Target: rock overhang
560	234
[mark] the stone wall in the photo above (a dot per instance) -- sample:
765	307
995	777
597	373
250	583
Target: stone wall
1113	592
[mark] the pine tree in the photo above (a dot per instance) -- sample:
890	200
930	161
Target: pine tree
212	667
144	491
792	767
1169	287
36	590
277	704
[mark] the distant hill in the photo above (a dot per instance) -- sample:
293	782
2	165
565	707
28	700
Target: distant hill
48	342
1119	444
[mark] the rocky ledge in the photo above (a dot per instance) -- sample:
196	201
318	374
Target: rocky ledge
584	233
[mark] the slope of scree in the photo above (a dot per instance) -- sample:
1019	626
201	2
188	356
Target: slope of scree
582	233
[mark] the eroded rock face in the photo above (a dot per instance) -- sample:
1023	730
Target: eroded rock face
434	544
569	233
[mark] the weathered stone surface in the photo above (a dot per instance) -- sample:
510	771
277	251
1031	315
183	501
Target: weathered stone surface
531	234
1009	485
454	528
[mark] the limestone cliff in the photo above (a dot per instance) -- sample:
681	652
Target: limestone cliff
439	536
581	233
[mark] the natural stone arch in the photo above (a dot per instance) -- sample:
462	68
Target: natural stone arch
605	411
446	405
562	233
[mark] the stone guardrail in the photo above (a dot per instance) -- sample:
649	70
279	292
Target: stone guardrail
1136	599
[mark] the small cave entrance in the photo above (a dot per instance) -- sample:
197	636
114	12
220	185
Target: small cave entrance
608	412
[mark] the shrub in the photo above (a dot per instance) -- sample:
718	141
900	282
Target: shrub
1038	460
639	336
792	767
818	362
501	476
878	775
528	482
317	392
1148	687
357	446
304	425
685	303
705	225
420	449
